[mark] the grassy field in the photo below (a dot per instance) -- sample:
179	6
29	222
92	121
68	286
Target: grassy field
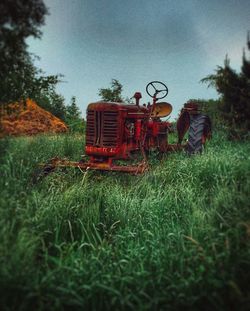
176	237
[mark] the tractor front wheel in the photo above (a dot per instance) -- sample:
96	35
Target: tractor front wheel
199	132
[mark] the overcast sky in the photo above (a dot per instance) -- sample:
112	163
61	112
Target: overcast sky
177	42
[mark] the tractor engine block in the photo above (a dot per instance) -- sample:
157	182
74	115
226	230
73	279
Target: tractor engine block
114	130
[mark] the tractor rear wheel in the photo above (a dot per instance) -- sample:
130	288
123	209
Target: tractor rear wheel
199	132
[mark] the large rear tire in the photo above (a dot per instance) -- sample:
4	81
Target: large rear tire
199	132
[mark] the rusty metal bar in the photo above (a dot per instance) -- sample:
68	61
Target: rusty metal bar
56	162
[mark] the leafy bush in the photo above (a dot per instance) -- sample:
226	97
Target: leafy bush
235	96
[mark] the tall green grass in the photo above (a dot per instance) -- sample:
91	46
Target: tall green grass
177	236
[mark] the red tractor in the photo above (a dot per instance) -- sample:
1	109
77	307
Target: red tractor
119	131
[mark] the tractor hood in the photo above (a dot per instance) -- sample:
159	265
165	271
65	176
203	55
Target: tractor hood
113	106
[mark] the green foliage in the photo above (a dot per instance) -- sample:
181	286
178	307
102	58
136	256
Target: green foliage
211	108
176	237
20	19
57	106
19	78
113	94
55	103
235	91
73	117
72	110
29	83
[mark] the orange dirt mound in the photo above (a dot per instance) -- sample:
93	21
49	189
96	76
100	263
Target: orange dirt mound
29	119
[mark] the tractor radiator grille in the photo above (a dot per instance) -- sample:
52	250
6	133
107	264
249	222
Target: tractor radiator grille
102	128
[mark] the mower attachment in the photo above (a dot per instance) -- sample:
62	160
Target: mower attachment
101	166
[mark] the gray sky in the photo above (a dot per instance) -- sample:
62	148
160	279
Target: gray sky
136	41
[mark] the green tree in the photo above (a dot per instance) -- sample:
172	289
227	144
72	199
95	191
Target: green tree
58	107
73	117
19	78
27	82
113	93
234	89
73	110
19	19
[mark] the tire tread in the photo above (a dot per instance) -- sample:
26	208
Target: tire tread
198	124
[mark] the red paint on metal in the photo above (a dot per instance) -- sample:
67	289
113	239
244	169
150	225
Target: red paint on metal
115	131
138	129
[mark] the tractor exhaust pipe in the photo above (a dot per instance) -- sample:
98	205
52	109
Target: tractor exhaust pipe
137	97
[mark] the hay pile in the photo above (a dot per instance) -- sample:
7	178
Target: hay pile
28	118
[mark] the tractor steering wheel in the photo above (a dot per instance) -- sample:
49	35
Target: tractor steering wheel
156	87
